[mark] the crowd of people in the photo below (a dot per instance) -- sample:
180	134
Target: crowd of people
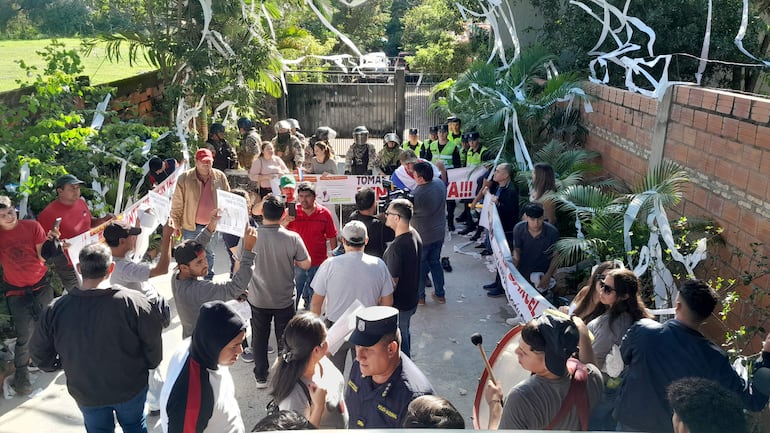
606	366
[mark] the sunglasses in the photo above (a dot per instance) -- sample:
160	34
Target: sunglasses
393	213
606	288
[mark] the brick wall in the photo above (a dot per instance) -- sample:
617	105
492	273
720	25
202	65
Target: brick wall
722	139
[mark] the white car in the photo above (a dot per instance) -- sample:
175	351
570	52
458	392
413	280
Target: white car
373	63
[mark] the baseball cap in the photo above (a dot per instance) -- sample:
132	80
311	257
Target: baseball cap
155	164
473	135
287	182
204	155
372	323
119	229
355	233
561	341
188	251
67	179
534	210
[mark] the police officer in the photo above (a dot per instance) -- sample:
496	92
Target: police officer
224	154
414	143
361	156
476	155
432	136
448	153
383	381
455	134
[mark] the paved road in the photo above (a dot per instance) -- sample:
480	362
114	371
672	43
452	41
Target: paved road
440	340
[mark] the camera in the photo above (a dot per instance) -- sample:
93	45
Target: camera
394	194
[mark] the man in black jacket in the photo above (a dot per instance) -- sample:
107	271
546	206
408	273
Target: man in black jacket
505	196
106	339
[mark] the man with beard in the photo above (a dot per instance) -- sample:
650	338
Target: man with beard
361	156
288	146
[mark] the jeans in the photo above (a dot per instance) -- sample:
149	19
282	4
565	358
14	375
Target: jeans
192	234
260	334
130	414
430	261
303	279
404	316
25	310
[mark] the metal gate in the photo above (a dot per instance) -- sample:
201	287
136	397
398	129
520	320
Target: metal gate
417	110
344	101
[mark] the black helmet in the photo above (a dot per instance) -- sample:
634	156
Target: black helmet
216	128
360	130
325	133
244	123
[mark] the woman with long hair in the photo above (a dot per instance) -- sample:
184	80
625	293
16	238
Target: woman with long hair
304	379
620	295
265	167
586	302
323	161
543	182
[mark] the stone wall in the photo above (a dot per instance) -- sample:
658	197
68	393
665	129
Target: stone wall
722	140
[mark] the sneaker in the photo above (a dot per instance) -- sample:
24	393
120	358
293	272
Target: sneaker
261	383
445	264
486	253
421	301
438	299
496	293
270	349
467	230
247	356
32	367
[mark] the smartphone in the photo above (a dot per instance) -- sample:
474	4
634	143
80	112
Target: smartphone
56	223
292	208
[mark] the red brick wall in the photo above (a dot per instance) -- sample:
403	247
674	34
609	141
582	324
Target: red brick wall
722	139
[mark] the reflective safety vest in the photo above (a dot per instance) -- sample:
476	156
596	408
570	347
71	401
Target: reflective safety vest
473	159
417	149
445	154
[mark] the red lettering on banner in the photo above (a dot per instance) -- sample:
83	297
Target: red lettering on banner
452	192
530	302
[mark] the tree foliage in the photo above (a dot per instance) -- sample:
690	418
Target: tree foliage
679	26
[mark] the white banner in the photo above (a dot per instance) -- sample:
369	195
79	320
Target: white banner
524	298
233	215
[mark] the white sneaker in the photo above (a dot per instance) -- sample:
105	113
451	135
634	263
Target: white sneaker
261	384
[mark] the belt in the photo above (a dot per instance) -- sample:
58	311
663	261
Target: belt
22	292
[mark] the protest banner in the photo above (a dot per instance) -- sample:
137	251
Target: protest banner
233	215
524	298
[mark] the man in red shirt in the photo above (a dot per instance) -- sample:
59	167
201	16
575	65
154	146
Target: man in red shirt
75	219
25	284
315	225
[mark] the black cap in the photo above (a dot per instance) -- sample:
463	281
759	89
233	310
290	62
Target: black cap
372	323
413	131
67	179
188	251
433	129
119	229
534	210
443	128
561	341
473	135
155	164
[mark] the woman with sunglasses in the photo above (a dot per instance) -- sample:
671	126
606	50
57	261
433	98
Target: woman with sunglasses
619	294
586	302
304	379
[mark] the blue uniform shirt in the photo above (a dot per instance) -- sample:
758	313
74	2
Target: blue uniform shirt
372	405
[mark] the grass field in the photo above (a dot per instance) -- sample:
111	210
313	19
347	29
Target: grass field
96	65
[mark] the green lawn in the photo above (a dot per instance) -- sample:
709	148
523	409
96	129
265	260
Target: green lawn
96	65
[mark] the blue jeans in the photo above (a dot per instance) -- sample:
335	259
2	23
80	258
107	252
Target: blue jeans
303	279
404	316
192	234
130	414
430	261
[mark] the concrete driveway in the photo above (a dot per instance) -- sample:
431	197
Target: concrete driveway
440	344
